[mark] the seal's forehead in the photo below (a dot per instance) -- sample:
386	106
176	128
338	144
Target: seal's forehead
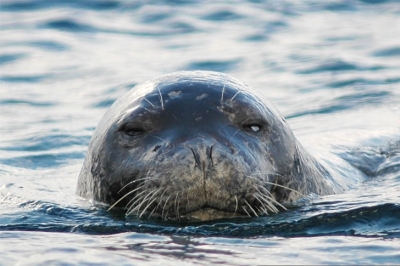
206	86
195	84
203	79
183	91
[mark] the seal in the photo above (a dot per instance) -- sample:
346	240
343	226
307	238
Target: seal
198	145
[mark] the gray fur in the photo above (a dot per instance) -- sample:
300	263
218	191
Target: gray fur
193	153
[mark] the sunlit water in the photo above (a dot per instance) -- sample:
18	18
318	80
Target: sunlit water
331	67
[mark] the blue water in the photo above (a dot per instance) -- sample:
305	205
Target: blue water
331	67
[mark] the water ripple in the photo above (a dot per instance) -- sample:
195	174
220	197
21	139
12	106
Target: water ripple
48	142
375	161
42	159
63	62
347	102
222	15
68	25
9	58
26	102
388	52
48	45
222	66
352	82
338	65
372	220
44	4
23	79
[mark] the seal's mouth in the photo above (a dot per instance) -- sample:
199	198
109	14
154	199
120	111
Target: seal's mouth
207	214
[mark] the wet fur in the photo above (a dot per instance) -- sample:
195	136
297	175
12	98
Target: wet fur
232	171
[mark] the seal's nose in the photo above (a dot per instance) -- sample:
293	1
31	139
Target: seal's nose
203	158
202	151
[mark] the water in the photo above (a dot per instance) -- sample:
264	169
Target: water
331	67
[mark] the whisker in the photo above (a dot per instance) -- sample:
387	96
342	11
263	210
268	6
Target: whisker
269	198
222	95
261	210
157	137
236	205
246	211
268	202
188	203
162	213
166	215
161	98
230	140
239	91
123	197
282	186
154	209
176	207
148	205
288	188
144	200
144	98
251	208
132	202
134	181
264	210
145	108
264	207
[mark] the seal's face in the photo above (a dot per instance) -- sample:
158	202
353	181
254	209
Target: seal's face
195	145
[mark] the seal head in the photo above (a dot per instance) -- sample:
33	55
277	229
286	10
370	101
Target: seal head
197	145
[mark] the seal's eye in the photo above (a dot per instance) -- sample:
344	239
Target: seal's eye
131	131
134	132
252	127
255	128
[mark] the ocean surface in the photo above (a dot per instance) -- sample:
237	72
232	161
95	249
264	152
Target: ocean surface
331	67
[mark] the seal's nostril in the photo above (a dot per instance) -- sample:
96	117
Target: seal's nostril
196	158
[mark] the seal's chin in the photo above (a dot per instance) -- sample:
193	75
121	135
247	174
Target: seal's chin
207	214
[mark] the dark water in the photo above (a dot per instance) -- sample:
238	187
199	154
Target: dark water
331	67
